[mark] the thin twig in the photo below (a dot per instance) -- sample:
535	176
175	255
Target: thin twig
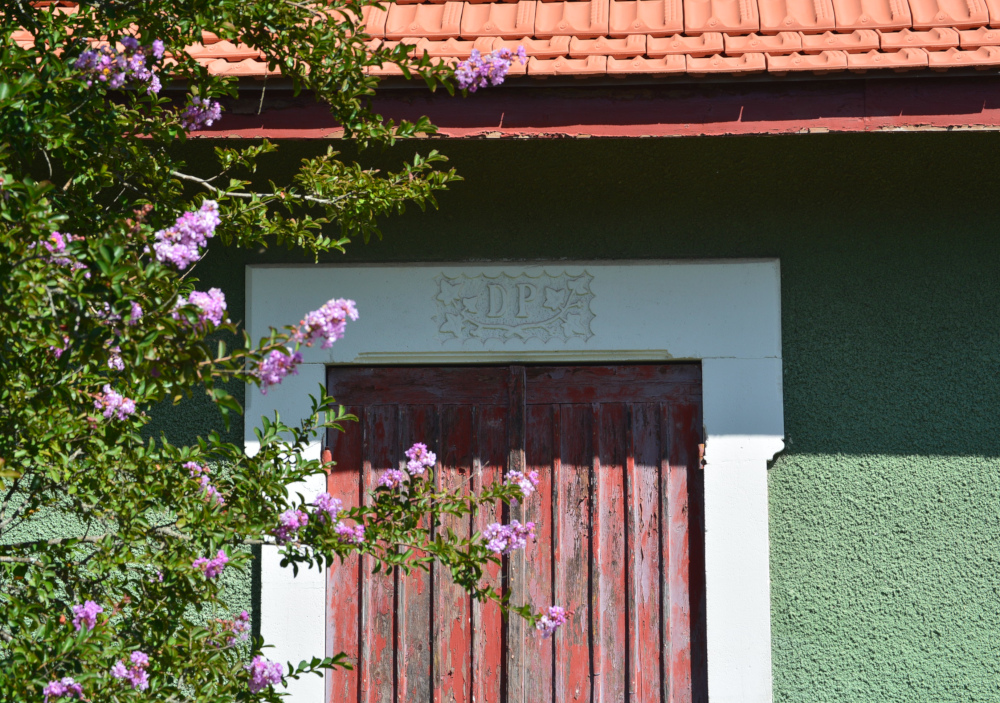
247	196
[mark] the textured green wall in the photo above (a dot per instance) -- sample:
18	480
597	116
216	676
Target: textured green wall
885	535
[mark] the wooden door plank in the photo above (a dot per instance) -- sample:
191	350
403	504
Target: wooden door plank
678	563
572	640
538	508
451	636
488	646
644	567
343	579
609	564
418	423
378	643
516	679
614	384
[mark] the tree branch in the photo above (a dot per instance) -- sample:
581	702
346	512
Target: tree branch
247	196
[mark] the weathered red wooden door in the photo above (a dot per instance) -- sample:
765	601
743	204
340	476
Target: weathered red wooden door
619	536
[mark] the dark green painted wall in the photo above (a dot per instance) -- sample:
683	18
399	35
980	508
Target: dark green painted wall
885	535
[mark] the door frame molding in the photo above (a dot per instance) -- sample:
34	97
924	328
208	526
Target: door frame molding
724	313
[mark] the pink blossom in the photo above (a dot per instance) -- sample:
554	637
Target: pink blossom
135	315
326	323
289	523
264	673
393	478
528	482
181	244
211	306
275	366
350	535
200	112
327	507
554	618
480	71
137	676
121	68
85	615
65	688
503	539
240	626
112	403
200	473
420	459
212	567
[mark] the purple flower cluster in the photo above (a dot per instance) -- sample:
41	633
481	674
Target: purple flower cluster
56	246
240	628
327	323
480	71
289	523
420	459
120	68
264	673
211	306
135	315
181	244
57	352
327	507
350	535
199	472
393	478
200	113
548	623
275	366
503	539
112	403
115	359
528	482
66	688
212	567
85	615
136	675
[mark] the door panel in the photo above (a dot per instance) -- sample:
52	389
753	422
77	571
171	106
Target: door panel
614	447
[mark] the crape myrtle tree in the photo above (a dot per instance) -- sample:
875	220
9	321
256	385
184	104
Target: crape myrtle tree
102	227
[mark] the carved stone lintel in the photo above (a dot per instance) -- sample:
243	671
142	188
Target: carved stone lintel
509	307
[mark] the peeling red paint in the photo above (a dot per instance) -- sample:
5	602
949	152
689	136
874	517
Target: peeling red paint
618	525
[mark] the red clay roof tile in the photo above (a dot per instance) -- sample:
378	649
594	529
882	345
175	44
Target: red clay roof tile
747	63
825	61
897	60
938	39
871	14
628	47
982	58
498	19
707	44
667	64
658	18
812	16
975	38
731	16
781	43
587	19
859	40
667	37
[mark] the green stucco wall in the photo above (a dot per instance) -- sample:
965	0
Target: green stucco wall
885	535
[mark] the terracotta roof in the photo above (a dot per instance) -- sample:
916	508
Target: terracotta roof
680	37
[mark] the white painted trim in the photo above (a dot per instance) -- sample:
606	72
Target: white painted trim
725	313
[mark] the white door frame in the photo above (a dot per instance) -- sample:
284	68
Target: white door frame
724	313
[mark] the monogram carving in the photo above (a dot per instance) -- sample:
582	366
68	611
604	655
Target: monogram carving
514	307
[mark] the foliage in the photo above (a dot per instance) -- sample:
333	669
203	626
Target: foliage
101	227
